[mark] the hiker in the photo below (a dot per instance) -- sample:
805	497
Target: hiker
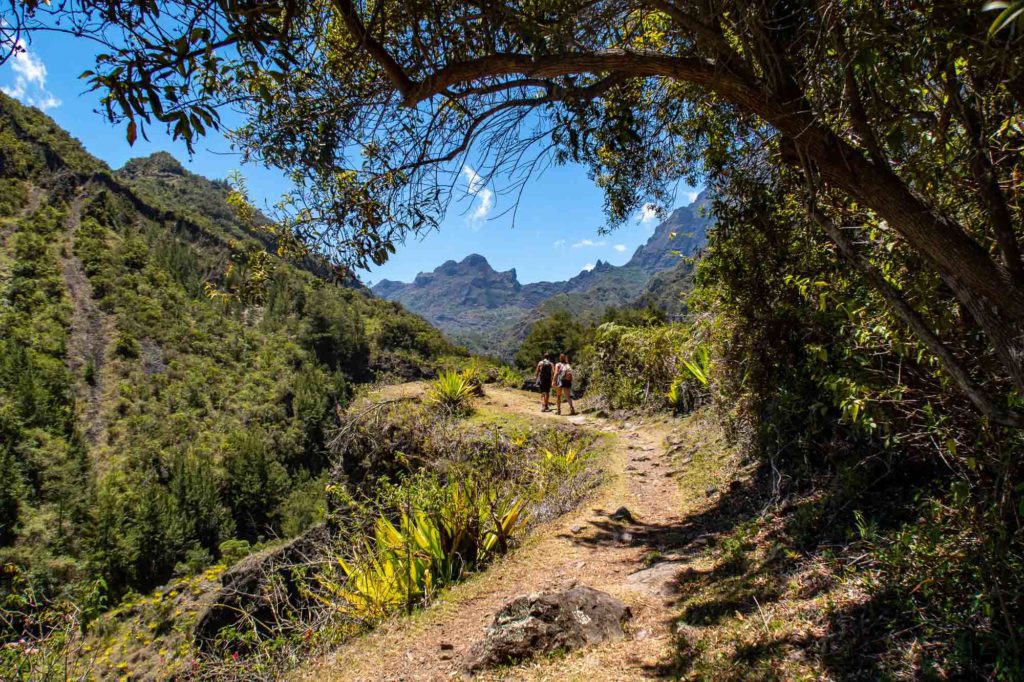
563	383
542	376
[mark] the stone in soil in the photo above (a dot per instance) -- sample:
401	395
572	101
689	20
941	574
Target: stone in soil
622	514
549	622
657	581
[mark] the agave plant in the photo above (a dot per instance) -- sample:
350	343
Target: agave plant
560	463
677	397
405	563
699	365
474	376
452	392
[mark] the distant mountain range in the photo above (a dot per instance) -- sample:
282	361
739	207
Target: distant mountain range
490	311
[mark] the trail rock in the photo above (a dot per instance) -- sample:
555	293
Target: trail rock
563	620
622	514
657	581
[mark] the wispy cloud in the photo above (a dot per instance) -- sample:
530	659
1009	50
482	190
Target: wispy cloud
559	243
621	248
693	196
484	198
648	213
29	80
586	243
588	267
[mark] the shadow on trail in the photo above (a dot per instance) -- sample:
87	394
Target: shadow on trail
733	506
852	642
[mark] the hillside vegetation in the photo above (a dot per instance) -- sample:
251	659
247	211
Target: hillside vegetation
146	426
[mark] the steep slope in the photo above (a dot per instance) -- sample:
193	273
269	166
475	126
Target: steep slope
490	311
145	426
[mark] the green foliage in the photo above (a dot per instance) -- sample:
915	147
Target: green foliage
233	551
560	461
509	377
255	485
452	392
647	316
430	547
557	333
210	417
12	192
634	367
699	365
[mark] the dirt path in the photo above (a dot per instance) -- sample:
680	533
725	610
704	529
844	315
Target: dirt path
586	547
89	335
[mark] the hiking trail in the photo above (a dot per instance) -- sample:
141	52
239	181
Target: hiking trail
89	333
586	547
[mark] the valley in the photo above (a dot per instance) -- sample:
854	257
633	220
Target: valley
490	312
787	434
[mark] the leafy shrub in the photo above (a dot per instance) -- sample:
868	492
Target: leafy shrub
452	392
635	367
233	551
509	377
402	565
127	346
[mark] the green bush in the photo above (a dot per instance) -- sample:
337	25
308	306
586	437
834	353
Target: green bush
233	551
127	346
452	392
636	367
557	333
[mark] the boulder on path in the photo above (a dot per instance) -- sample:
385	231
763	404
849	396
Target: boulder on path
657	581
622	514
561	620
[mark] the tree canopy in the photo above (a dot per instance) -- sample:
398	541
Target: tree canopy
880	113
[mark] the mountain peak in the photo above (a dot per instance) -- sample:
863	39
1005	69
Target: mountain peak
156	164
475	260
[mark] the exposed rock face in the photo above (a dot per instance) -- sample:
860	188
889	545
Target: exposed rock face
563	620
260	586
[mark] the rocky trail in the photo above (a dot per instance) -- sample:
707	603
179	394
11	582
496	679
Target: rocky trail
90	332
630	539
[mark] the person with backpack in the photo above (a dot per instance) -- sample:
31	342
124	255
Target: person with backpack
543	377
563	383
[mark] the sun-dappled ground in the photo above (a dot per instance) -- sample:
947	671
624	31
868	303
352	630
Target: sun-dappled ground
714	586
586	546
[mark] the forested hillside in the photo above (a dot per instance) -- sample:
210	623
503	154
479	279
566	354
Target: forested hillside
165	386
812	471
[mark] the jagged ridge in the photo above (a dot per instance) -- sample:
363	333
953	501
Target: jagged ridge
486	309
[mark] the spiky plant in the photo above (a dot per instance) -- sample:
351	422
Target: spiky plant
452	392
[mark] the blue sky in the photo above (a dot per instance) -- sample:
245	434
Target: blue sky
554	235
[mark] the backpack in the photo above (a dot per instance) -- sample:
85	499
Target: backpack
545	371
566	372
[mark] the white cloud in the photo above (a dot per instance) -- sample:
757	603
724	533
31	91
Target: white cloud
29	80
648	213
621	248
484	197
559	243
693	196
588	267
586	242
